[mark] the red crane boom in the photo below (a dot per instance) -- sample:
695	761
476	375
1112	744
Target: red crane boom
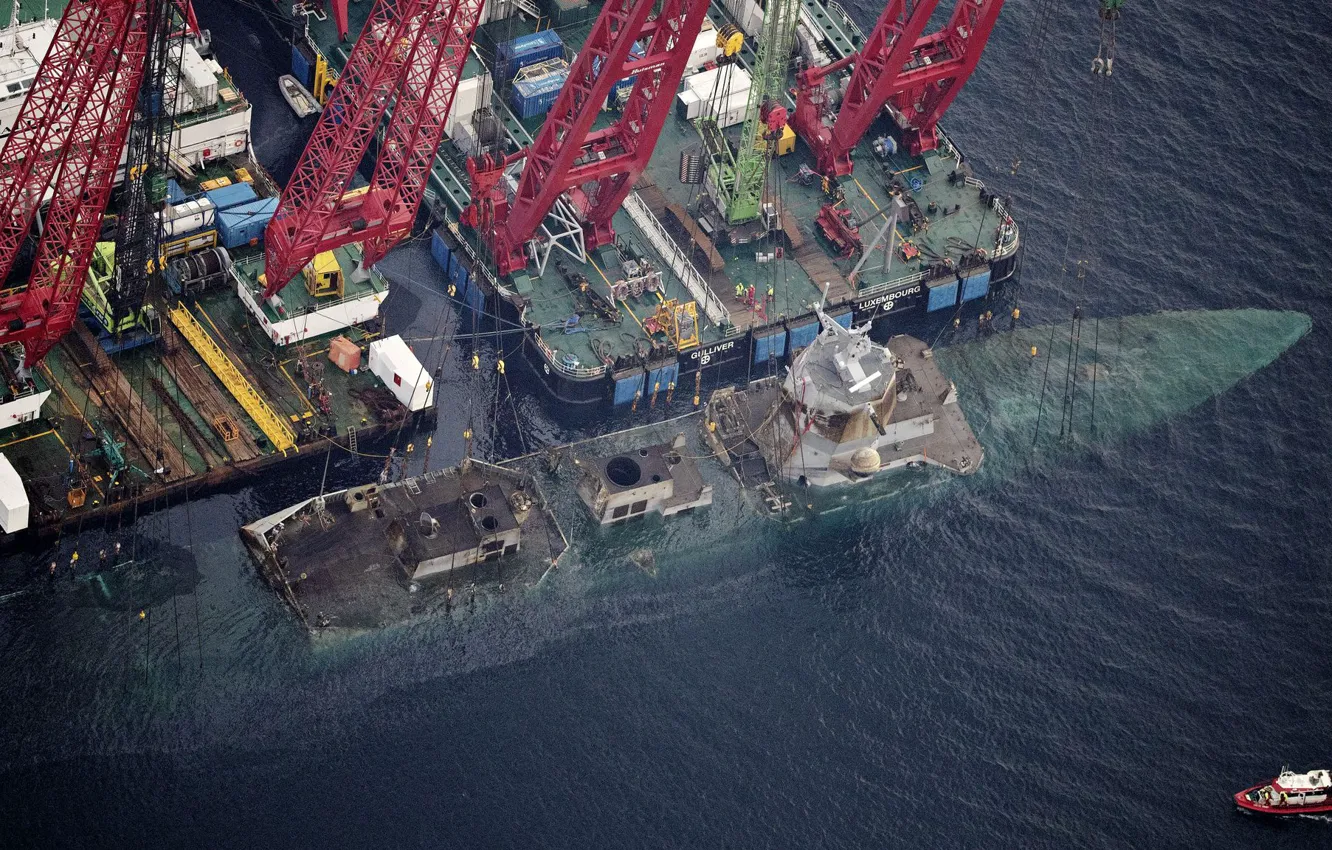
71	128
596	167
918	75
410	53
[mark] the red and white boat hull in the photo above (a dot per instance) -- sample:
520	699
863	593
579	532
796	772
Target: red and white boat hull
1290	794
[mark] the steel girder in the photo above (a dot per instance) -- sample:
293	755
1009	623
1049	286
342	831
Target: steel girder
408	59
596	167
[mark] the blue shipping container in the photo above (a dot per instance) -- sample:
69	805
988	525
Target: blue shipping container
976	286
301	68
660	379
226	197
458	275
512	56
802	336
476	299
175	194
536	97
635	52
770	347
627	388
245	223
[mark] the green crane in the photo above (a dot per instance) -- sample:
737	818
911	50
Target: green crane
736	177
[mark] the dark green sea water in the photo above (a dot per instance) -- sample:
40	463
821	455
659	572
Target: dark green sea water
1087	645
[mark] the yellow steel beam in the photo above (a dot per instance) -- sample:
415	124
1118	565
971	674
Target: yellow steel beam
275	428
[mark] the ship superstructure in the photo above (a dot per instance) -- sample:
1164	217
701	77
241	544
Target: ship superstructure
847	410
212	117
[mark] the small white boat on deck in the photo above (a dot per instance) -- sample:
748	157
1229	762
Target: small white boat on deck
297	96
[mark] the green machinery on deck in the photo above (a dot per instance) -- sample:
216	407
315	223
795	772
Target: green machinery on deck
736	177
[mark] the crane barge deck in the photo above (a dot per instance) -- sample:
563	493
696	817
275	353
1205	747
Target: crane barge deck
951	241
189	392
643	263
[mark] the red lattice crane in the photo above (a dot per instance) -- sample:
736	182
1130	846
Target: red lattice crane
66	142
410	56
919	76
596	167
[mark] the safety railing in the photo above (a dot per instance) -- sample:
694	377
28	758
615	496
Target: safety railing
892	283
552	357
1009	244
675	259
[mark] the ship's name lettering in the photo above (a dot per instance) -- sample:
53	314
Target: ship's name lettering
705	354
890	297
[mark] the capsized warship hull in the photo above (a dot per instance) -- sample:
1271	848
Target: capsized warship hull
1139	370
1148	370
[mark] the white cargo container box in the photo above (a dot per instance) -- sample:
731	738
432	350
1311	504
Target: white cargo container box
691	106
472	94
688	105
733	112
464	138
200	80
394	363
705	49
704	83
13	498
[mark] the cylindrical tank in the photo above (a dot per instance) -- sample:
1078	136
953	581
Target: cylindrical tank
188	217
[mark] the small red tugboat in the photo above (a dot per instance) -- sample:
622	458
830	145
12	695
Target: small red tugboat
1290	794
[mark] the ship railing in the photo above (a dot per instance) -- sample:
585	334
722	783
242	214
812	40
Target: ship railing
892	283
947	141
379	284
572	371
477	265
1010	242
675	258
851	28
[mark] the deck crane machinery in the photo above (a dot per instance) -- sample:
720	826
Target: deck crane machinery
406	64
66	145
138	233
64	152
736	177
916	76
595	169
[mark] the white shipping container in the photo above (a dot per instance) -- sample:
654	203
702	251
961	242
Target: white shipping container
688	105
692	106
188	217
199	78
472	94
737	79
705	50
733	114
464	138
13	498
395	364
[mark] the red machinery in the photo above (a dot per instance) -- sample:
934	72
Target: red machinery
596	167
838	226
411	54
919	76
67	139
